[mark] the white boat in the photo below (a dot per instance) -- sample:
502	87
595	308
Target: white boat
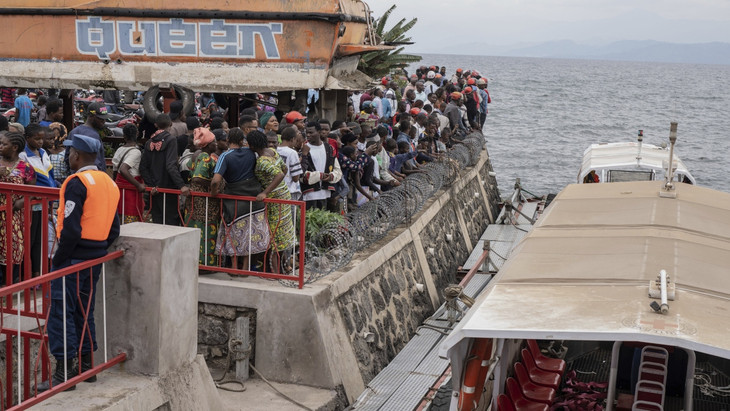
586	280
629	161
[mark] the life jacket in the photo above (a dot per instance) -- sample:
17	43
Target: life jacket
100	206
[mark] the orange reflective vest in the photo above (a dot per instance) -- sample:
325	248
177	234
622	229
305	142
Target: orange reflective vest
100	207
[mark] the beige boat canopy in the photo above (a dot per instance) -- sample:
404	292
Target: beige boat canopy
583	271
618	162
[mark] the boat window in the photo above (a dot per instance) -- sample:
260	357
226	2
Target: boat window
618	176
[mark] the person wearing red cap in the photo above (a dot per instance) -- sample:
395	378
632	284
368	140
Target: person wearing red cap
453	112
296	118
484	99
438	80
457	76
383	86
411	85
472	105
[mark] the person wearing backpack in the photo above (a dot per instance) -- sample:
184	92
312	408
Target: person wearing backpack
125	165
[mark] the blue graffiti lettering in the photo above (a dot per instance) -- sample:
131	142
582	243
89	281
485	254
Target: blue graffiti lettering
266	32
94	36
137	37
218	39
177	38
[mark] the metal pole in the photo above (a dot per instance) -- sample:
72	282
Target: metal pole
20	366
672	139
103	303
205	233
250	233
65	349
242	334
612	375
124	191
302	246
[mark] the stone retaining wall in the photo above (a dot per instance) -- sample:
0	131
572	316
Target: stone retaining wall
441	240
216	325
388	305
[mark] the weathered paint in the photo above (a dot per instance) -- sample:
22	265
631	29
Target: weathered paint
204	54
308	6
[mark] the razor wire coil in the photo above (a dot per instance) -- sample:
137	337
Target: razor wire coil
333	247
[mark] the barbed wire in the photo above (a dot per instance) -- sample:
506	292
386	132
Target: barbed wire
334	246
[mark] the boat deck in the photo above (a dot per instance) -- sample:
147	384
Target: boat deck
403	384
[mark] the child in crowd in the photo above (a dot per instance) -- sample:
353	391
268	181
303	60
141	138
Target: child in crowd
57	151
37	157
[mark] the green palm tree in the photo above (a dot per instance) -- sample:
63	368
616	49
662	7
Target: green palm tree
381	63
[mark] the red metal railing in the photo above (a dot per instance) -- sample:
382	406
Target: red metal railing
27	299
282	263
294	263
20	226
24	395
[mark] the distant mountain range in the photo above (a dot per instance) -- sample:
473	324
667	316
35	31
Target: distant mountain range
626	50
620	37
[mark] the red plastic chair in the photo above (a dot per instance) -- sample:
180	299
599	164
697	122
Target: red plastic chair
504	403
538	376
543	362
531	390
519	401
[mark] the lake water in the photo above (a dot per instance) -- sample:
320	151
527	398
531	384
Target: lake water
546	112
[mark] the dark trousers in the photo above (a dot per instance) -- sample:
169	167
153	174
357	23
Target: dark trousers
164	209
80	296
4	272
322	204
36	241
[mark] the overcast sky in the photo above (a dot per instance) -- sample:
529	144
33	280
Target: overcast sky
507	22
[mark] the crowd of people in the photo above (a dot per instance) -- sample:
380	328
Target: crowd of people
387	134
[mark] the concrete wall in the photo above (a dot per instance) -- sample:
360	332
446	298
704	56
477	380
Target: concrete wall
320	335
152	297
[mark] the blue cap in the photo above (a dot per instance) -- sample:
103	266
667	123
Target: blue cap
84	143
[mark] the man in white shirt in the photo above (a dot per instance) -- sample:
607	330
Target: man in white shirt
321	169
421	92
430	86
